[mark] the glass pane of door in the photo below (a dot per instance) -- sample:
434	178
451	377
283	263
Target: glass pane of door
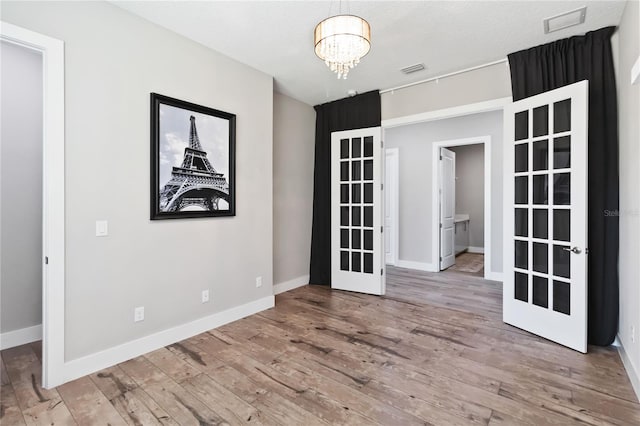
550	189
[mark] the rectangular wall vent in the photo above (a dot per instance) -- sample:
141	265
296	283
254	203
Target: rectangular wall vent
413	68
565	20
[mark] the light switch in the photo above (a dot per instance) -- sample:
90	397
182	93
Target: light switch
102	228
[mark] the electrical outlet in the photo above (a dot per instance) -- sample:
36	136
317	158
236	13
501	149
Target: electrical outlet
138	314
102	228
205	296
258	282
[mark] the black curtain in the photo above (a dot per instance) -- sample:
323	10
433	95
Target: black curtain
564	62
357	112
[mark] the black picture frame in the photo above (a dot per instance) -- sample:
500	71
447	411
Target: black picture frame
202	182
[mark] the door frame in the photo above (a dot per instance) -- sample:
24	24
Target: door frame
496	104
435	198
53	214
394	202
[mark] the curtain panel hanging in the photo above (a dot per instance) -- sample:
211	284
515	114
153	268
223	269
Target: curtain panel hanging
357	112
558	64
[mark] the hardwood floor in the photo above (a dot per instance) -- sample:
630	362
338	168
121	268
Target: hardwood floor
472	263
433	351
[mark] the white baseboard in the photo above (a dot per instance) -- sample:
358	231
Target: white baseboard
479	250
291	284
493	276
420	266
95	362
634	377
19	337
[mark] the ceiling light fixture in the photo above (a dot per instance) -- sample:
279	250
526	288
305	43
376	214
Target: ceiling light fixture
341	41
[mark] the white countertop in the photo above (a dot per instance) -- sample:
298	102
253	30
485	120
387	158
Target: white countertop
460	218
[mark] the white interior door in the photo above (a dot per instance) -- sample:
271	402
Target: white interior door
447	208
357	253
391	206
545	219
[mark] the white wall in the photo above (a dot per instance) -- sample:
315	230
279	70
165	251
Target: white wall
293	154
470	189
484	84
113	60
629	263
415	151
20	188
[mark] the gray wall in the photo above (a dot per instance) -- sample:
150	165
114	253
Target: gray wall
293	153
113	61
475	86
20	188
415	143
629	110
470	189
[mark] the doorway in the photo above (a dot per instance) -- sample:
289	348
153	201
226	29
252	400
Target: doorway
418	140
461	202
21	196
51	256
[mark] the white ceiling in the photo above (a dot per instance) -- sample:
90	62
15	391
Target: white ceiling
276	37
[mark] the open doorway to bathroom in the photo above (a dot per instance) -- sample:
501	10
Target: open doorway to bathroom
477	138
462	206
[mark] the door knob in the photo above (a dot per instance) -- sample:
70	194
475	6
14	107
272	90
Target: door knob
575	250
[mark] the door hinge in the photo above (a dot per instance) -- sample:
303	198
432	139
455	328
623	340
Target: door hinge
440	226
382	229
46	260
382	187
381	144
441	158
440	258
381	271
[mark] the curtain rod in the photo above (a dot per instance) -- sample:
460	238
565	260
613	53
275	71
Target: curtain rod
488	64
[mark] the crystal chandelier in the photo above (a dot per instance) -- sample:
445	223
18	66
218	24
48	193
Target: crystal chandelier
341	41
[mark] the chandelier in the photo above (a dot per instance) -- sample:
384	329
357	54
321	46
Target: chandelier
341	41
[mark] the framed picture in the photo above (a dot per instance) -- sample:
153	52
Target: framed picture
192	160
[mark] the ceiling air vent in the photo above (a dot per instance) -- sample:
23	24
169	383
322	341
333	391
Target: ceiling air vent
565	20
413	68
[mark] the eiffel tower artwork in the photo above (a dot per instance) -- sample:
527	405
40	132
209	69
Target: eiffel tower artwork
195	185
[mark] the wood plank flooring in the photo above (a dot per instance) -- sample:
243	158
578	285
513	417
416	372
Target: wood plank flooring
433	351
469	262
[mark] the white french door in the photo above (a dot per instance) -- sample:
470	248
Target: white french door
357	254
545	219
447	208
